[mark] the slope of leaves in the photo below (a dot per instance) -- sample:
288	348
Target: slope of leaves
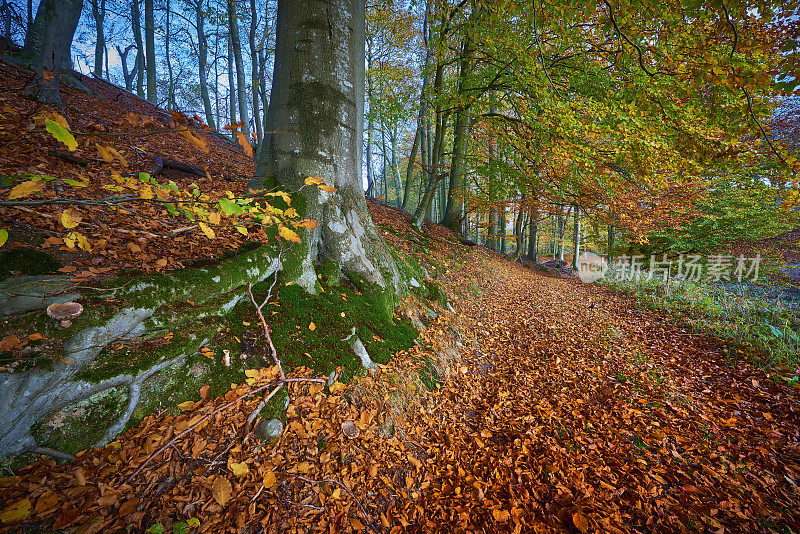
560	407
117	134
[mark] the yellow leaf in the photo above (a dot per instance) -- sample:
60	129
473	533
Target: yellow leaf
251	373
500	515
238	469
312	326
184	406
337	387
58	118
76	239
146	192
70	218
207	230
248	148
314	180
311	224
328	188
62	134
104	152
24	189
241	229
202	144
291	212
19	511
221	490
288	234
117	155
3	236
214	217
269	479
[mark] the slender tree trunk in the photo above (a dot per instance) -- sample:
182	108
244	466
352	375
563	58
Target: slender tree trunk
99	14
254	70
236	44
202	58
533	234
128	76
576	237
137	37
519	229
610	244
150	50
171	84
503	241
454	211
396	169
315	128
48	43
231	86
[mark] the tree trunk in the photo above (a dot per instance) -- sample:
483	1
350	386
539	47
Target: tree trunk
576	238
150	50
254	70
137	37
519	230
610	244
171	82
236	44
202	57
231	86
395	169
48	43
533	234
410	171
99	14
454	212
128	76
314	128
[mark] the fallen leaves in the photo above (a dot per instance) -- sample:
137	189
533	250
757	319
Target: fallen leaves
221	490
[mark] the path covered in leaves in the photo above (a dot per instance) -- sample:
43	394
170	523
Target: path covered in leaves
563	408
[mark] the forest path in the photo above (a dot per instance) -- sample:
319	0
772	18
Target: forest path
602	417
564	409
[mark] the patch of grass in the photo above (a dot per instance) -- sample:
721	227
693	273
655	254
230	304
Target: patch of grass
766	329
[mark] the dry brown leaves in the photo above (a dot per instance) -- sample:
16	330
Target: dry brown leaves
564	409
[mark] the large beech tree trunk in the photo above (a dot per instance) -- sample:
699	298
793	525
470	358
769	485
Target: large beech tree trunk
314	128
48	43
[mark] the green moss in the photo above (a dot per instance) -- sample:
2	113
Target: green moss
435	292
276	407
27	262
83	424
335	312
331	273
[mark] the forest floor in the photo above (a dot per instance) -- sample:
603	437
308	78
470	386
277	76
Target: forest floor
559	407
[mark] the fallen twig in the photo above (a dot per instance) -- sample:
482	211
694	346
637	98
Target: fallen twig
345	488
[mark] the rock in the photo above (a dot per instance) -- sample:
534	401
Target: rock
350	430
450	308
414	283
331	378
270	429
432	314
361	352
24	294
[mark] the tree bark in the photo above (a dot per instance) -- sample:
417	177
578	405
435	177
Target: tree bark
533	234
137	37
236	44
99	14
406	206
48	43
576	237
519	230
315	128
202	57
254	70
150	50
231	86
454	212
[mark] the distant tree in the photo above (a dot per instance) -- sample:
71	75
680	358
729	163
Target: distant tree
47	46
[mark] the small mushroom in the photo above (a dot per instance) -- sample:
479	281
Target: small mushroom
65	312
350	430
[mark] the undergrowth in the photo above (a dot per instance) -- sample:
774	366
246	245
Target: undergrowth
769	328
